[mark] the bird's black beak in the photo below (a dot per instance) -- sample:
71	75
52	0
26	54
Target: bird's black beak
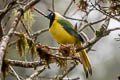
49	16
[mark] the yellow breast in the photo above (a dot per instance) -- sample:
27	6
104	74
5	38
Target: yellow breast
60	35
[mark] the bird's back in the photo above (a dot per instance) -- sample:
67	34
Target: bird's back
60	34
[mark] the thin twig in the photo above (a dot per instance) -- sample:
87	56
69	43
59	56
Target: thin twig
89	24
92	28
74	19
71	68
6	38
105	13
16	75
53	48
27	31
92	42
52	78
8	19
39	32
53	5
68	7
11	73
40	12
63	15
35	74
3	13
25	64
12	43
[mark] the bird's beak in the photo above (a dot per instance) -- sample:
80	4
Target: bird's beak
48	16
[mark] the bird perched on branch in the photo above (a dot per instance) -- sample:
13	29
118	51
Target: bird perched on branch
64	33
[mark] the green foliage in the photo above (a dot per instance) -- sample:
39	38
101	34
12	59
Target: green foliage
97	33
100	31
32	47
21	44
28	18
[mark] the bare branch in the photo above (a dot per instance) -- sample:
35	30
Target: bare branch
68	7
5	39
49	78
12	74
92	42
53	5
71	68
25	64
3	13
63	15
74	19
27	31
40	32
40	13
89	24
105	12
35	74
11	68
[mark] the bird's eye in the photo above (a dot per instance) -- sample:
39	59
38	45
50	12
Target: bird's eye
51	14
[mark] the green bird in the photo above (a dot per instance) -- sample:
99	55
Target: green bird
64	33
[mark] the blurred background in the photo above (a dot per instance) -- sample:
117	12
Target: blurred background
105	59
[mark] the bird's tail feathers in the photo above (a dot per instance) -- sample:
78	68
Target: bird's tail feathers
85	61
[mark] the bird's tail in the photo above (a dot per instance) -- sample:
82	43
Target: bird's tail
85	61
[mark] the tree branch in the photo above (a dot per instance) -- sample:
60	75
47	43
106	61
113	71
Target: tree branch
11	68
24	63
71	68
53	5
68	7
3	13
35	74
92	42
5	39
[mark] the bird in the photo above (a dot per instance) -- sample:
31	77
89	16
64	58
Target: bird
64	33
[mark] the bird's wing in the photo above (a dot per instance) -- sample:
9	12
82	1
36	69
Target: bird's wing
69	28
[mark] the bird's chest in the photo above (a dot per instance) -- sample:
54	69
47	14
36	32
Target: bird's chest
61	35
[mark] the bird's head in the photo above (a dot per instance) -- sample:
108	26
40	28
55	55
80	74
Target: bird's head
54	16
51	16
